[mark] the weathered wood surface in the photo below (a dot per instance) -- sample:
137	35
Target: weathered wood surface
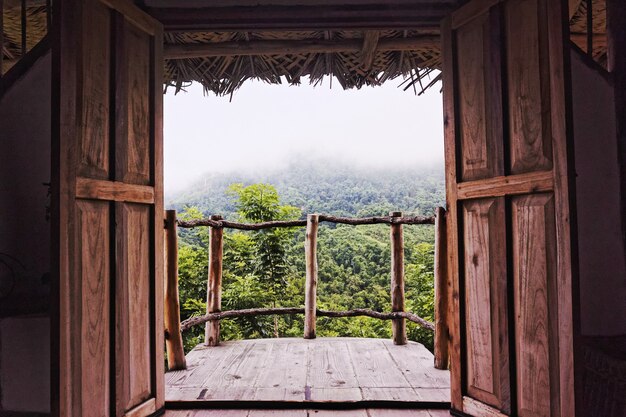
310	286
300	223
214	285
282	47
362	412
193	321
398	326
173	336
441	297
315	370
486	318
514	216
107	217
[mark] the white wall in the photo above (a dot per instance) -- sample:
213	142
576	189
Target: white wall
601	248
25	236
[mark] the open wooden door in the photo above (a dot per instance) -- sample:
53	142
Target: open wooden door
508	192
108	210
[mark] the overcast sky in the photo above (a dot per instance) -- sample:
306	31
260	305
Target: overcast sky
266	126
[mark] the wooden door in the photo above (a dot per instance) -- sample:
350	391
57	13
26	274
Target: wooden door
508	194
108	210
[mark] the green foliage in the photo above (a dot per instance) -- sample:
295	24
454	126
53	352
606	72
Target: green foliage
267	268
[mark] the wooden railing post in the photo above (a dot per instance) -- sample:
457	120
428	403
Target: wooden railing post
441	297
310	295
214	287
173	337
398	326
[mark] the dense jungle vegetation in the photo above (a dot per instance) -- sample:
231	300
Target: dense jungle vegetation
266	268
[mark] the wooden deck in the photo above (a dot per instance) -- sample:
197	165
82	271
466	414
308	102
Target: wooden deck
370	412
300	373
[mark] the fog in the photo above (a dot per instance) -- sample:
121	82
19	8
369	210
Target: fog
268	126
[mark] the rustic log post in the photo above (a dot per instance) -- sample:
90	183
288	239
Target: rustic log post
173	337
441	300
398	326
214	288
310	295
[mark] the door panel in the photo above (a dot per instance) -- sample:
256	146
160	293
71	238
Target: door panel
94	98
528	75
108	170
91	313
534	261
508	180
133	297
487	347
480	128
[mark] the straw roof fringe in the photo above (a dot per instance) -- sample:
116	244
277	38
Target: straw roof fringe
223	75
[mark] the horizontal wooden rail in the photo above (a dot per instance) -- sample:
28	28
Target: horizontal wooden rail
194	321
301	223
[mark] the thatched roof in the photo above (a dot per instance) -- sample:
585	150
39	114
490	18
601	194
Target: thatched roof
222	60
354	58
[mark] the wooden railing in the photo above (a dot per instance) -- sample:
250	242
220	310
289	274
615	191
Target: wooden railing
398	315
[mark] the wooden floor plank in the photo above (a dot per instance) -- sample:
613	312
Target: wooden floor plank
330	366
283	378
416	363
374	367
322	370
372	412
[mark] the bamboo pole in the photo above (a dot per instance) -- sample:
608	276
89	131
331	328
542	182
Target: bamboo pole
173	337
441	300
214	286
310	296
398	326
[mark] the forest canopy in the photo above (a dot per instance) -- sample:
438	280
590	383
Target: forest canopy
267	268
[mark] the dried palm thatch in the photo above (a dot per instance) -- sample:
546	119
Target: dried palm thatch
36	29
353	68
579	29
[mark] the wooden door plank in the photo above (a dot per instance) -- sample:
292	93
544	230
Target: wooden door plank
88	188
486	292
528	74
527	183
534	278
133	276
91	315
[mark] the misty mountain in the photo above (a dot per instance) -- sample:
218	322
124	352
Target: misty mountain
325	187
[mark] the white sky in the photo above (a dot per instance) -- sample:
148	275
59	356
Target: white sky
266	126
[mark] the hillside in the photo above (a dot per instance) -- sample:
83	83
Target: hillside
337	189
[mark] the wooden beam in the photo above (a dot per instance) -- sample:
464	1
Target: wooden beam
286	47
398	326
368	51
91	189
323	17
173	338
441	287
9	4
310	294
214	286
